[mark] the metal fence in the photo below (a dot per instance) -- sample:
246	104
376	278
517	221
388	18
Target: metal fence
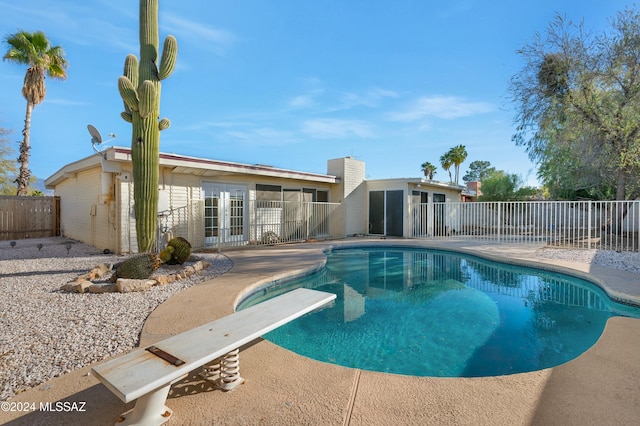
249	223
186	222
603	225
29	217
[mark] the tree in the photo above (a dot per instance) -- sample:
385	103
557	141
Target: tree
35	51
578	102
499	185
140	89
446	162
458	155
7	165
454	157
478	171
428	169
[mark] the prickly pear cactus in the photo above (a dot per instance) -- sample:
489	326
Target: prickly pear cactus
139	88
138	267
181	250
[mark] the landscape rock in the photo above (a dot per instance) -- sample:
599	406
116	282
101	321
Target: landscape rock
93	281
99	272
124	285
103	288
78	286
164	279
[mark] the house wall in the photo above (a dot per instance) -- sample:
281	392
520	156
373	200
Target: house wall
450	194
86	214
126	225
388	185
181	190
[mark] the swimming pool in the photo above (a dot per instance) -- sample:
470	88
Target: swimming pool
435	313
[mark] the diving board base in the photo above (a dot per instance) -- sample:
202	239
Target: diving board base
149	410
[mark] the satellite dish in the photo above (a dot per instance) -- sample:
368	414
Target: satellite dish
96	137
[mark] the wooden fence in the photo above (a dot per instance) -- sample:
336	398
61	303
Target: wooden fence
29	217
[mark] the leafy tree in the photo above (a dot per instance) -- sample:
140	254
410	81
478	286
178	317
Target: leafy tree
568	176
7	165
525	193
428	169
499	185
35	51
578	103
478	170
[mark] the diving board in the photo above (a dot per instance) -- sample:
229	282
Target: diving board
146	374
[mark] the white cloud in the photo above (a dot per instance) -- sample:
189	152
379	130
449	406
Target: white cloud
328	128
445	107
206	36
263	136
302	101
66	102
69	27
370	98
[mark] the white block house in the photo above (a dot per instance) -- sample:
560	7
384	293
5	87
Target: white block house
217	203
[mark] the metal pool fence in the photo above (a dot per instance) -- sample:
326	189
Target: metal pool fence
254	223
604	225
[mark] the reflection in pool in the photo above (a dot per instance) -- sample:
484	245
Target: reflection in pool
434	313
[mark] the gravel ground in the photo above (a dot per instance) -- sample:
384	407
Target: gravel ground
47	332
627	261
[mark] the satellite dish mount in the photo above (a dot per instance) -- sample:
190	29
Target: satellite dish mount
96	139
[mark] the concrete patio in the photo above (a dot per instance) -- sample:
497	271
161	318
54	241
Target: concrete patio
601	387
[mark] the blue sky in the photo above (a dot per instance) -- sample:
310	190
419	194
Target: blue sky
294	83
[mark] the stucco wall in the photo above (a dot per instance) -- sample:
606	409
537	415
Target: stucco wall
85	212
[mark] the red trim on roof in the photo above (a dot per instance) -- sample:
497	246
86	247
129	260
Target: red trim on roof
224	163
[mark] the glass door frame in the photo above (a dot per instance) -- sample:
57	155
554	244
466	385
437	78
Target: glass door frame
225	213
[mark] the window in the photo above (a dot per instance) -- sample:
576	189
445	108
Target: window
268	192
308	195
421	197
277	193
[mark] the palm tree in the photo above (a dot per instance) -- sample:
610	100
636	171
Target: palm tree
428	169
35	51
458	154
446	163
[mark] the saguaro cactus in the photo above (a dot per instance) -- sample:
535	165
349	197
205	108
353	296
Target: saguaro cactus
140	90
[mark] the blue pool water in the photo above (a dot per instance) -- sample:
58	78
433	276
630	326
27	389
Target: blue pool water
434	313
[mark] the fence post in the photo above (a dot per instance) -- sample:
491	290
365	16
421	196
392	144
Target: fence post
589	225
499	219
637	233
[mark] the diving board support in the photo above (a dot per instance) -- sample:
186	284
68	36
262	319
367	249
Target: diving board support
150	409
